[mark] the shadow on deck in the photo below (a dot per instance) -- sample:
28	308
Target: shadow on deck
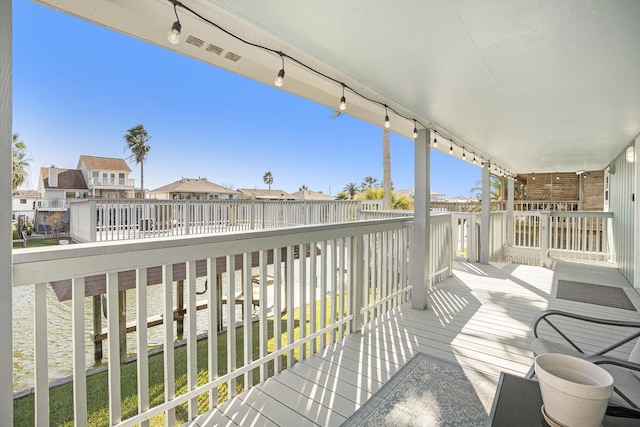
479	318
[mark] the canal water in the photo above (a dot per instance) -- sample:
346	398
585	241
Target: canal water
59	326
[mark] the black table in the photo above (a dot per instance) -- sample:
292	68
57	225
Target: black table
518	404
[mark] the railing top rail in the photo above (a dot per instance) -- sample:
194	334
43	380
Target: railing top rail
52	263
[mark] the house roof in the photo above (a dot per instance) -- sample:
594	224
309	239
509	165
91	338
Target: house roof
103	163
256	193
68	179
28	194
194	185
311	195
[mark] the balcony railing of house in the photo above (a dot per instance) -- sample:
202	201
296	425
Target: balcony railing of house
110	182
566	234
53	203
124	219
354	272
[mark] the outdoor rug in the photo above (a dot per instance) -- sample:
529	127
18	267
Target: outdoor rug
594	294
428	391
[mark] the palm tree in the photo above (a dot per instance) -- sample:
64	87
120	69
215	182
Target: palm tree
386	166
351	189
137	138
368	182
495	185
20	162
303	188
268	178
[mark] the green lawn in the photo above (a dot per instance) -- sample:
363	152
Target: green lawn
36	243
61	397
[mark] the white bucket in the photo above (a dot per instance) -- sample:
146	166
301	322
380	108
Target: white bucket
575	392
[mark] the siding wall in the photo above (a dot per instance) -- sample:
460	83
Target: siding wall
592	191
621	189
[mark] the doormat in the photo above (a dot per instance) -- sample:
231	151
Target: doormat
594	294
428	391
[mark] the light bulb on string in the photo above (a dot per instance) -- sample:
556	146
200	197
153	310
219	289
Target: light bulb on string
387	123
280	78
451	148
464	155
474	158
174	33
415	130
343	101
435	139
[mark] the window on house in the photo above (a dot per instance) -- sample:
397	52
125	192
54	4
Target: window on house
23	201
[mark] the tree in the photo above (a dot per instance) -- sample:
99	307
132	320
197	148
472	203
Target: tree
377	193
342	196
368	182
137	138
20	163
268	178
386	167
303	188
351	189
495	185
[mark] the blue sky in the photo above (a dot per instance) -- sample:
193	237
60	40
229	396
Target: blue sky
78	87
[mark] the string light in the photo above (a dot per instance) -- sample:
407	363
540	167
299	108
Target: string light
387	123
474	158
343	102
174	33
174	37
533	176
464	155
280	78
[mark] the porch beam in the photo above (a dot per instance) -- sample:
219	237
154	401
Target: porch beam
6	241
485	214
420	256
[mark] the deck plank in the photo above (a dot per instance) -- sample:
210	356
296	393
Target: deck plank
480	319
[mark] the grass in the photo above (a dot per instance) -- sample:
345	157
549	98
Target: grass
61	397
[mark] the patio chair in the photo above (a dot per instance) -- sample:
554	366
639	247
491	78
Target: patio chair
626	373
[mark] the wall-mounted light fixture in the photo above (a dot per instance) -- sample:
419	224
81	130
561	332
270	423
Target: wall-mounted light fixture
631	154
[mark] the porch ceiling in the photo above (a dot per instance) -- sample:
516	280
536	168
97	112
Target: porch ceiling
534	86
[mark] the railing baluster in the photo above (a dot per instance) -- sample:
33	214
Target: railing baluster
113	331
289	291
41	386
247	309
169	356
230	291
334	286
263	322
323	291
79	374
313	286
212	329
142	360
192	343
302	262
277	306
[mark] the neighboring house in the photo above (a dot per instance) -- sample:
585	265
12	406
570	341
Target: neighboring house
106	177
24	203
311	195
254	193
57	187
193	189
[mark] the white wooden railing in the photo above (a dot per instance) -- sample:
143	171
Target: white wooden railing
564	234
356	270
99	220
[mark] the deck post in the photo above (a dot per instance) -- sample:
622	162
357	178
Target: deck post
355	281
6	240
97	328
636	218
122	323
485	214
420	254
510	240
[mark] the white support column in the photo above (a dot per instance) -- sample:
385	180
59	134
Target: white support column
510	212
6	277
636	219
484	217
420	268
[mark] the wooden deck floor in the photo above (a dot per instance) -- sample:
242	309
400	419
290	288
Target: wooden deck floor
479	318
